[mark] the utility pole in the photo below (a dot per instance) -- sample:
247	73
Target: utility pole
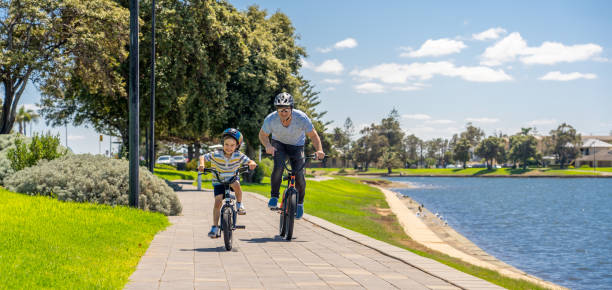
134	104
151	147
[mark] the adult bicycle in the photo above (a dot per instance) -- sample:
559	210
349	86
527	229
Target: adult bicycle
228	210
288	205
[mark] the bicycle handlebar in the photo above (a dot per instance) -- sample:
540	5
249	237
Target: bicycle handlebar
312	156
241	169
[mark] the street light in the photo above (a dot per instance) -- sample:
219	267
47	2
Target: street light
151	144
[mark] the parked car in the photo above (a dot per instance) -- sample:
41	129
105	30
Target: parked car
165	159
451	166
178	159
497	166
479	165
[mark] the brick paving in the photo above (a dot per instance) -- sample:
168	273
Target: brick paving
321	255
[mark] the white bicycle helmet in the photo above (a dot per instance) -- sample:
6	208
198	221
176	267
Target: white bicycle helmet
283	99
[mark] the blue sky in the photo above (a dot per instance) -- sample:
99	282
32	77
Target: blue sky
442	64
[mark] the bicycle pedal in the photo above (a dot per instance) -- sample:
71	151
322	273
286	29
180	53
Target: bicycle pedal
240	227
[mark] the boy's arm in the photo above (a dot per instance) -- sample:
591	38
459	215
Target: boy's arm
252	164
202	163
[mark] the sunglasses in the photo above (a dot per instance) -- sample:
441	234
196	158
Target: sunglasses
284	109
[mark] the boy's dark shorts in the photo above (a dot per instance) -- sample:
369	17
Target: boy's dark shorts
219	189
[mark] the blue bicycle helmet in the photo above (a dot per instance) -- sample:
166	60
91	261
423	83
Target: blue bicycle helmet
234	133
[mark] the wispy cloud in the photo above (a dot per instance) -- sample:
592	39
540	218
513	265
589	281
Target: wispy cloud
482	120
368	88
437	47
440	122
542	122
514	46
332	81
492	33
343	44
416	116
32	107
76	137
393	73
558	76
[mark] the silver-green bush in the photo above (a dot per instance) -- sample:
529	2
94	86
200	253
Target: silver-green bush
95	179
7	141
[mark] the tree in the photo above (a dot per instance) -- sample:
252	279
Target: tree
411	143
25	116
389	159
462	151
566	143
523	146
46	41
341	141
490	148
472	134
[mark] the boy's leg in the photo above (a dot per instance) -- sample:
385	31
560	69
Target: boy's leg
236	187
217	209
218	192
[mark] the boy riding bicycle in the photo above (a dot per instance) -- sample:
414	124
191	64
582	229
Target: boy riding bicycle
226	162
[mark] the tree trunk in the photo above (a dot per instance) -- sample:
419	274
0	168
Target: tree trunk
388	170
196	148
190	152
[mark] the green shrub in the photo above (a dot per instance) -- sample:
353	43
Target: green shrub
267	165
192	165
585	166
95	179
7	142
258	175
41	147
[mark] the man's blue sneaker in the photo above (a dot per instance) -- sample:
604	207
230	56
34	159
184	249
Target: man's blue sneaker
272	203
300	211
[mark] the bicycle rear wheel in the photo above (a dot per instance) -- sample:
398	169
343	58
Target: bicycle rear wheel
226	224
290	219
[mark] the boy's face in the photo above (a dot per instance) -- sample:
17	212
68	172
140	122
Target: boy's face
229	145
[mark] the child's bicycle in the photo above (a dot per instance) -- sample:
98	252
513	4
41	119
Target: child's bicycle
288	205
228	210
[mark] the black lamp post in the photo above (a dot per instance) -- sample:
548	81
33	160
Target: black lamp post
133	103
151	149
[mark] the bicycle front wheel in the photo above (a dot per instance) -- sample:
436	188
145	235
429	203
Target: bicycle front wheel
226	223
283	216
290	219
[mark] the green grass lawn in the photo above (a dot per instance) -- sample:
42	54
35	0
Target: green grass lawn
349	203
45	243
602	169
170	174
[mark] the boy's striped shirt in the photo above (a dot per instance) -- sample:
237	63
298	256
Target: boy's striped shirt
225	166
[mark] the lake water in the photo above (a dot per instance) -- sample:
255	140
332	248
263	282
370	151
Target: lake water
559	229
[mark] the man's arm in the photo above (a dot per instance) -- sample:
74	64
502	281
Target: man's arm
265	141
316	142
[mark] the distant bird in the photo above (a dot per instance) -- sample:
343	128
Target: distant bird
437	214
418	214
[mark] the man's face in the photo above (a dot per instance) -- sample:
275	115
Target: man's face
284	112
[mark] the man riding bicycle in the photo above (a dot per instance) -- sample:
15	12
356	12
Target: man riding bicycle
289	128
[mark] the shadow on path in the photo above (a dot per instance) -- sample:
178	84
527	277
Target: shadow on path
276	239
206	250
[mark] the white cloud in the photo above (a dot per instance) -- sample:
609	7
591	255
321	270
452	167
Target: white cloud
305	64
558	76
347	43
407	88
513	46
542	122
76	137
393	73
492	33
332	66
436	47
482	120
440	122
416	116
330	89
368	88
332	81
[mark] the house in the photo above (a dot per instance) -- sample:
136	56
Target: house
595	152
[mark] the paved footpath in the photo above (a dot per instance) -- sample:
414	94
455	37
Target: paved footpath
321	255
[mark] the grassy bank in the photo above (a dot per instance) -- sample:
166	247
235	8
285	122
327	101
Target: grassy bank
462	172
46	243
349	203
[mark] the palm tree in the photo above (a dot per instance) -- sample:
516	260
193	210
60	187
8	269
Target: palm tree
25	116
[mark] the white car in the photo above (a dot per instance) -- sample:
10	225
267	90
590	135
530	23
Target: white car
178	159
163	160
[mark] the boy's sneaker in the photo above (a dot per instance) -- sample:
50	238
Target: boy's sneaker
214	232
299	212
241	209
272	203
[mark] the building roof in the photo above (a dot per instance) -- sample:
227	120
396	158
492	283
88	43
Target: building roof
595	143
607	139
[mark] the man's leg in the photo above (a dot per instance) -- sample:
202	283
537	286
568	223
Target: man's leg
277	173
297	161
